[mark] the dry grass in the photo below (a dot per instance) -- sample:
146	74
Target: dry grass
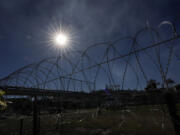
137	120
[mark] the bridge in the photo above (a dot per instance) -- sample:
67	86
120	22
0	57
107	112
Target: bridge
22	91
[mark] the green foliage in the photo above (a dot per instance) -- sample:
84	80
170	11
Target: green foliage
3	103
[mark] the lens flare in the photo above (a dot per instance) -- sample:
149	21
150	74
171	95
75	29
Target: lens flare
61	39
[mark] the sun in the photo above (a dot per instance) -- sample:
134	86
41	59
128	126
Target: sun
61	39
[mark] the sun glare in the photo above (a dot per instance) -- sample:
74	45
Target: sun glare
61	39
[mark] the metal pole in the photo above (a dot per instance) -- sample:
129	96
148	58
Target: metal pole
173	112
21	127
35	116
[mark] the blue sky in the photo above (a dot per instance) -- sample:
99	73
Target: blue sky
25	23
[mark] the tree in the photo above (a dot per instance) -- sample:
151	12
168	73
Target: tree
3	104
170	82
151	84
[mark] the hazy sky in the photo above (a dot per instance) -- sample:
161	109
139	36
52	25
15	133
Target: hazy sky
24	24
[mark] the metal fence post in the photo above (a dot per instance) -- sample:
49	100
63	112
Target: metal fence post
35	116
173	111
21	127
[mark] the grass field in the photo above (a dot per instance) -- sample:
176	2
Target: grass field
149	120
